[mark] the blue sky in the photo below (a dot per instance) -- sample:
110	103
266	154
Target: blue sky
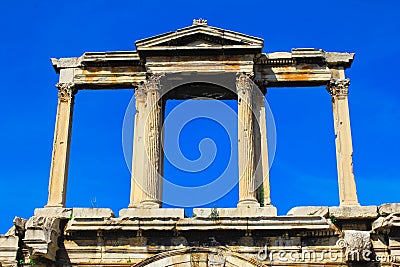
304	170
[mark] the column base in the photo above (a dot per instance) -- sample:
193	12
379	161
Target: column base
54	206
146	204
149	204
349	203
253	203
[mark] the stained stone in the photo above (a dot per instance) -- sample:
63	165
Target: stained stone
354	212
358	245
309	210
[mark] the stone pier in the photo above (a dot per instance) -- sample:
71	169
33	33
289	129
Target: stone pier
247	187
152	179
61	146
138	172
261	151
339	90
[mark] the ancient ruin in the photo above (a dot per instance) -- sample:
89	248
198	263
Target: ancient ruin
145	233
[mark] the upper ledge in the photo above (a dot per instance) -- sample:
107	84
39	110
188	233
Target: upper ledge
132	58
97	58
63	63
112	55
308	56
339	59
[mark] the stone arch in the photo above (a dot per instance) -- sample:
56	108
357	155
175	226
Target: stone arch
200	257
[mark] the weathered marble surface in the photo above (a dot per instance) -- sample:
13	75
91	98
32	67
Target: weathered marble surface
309	210
94	236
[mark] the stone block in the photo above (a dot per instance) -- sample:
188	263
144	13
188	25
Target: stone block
152	213
309	210
62	213
394	246
389	208
19	224
354	212
94	213
381	224
269	211
8	249
41	236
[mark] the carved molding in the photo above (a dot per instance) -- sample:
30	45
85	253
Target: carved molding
358	243
338	87
66	91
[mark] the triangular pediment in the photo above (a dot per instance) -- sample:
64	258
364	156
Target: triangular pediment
201	43
199	36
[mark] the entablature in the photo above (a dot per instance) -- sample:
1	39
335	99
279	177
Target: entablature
204	49
300	67
113	70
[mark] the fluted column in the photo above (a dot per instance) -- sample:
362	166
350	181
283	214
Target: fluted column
261	149
153	128
61	147
247	192
137	176
339	89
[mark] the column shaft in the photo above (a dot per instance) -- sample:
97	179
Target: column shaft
338	88
261	150
247	192
153	123
138	153
61	147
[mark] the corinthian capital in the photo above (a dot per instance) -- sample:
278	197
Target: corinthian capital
66	91
153	82
338	87
243	82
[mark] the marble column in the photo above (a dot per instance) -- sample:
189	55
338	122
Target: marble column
261	149
247	190
339	89
61	147
138	153
152	183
